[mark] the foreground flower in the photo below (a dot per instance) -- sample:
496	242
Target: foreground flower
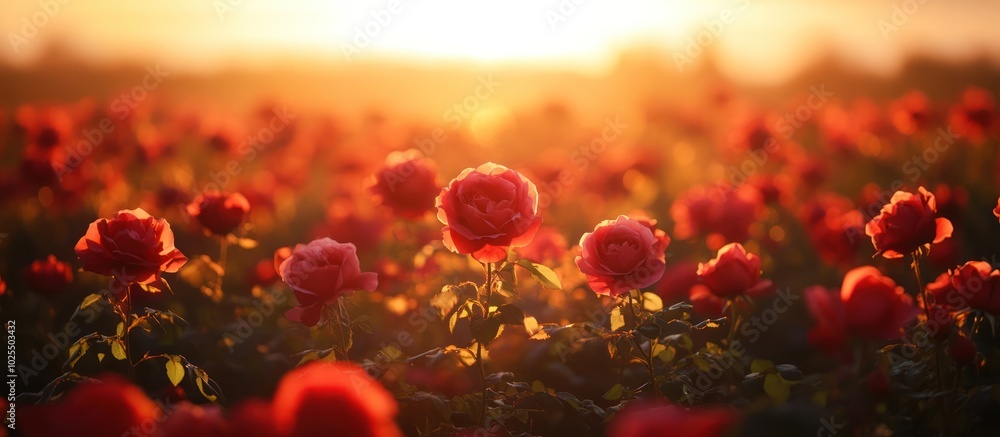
407	183
869	306
734	272
218	212
622	255
49	277
974	284
323	399
649	419
487	210
907	223
132	247
84	412
319	273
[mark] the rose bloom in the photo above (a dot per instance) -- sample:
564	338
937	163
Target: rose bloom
974	284
132	247
655	418
907	223
549	245
218	212
407	183
734	272
869	306
622	254
49	276
111	407
319	273
716	210
487	210
974	115
322	398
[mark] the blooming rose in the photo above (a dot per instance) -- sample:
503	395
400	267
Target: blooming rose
49	276
622	255
83	412
868	306
733	272
653	419
487	210
974	284
319	273
407	183
132	247
724	214
219	212
339	398
907	223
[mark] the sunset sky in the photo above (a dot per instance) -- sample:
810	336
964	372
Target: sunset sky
763	41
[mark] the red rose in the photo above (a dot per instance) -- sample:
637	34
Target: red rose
654	419
907	223
974	284
188	420
132	247
323	398
717	211
319	273
49	276
868	306
84	412
219	212
622	255
487	210
407	183
996	210
253	418
549	245
733	272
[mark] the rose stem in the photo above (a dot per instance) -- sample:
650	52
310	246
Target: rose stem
479	345
648	359
222	263
937	351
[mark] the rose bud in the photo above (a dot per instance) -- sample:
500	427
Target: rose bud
49	277
319	273
220	213
907	223
622	255
132	247
407	183
734	272
314	399
487	210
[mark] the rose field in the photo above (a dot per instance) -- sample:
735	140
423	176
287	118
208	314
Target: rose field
396	248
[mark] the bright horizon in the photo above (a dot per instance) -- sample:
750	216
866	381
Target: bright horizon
761	41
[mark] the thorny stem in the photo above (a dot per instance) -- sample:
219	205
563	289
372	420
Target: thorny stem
479	345
647	358
937	353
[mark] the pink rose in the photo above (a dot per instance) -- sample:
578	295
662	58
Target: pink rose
319	273
622	255
733	272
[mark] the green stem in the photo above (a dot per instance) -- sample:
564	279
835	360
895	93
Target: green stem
945	417
222	263
647	357
479	345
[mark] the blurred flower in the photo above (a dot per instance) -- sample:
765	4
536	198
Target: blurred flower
323	398
49	277
869	306
721	210
319	273
677	281
549	245
907	223
84	411
132	247
262	273
834	228
910	113
219	212
974	284
734	272
407	183
655	418
252	418
487	210
188	420
996	209
622	254
973	116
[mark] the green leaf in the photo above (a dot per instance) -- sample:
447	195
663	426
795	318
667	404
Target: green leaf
542	274
510	314
201	388
485	330
614	394
446	300
777	388
117	349
617	319
175	370
89	300
759	365
651	302
537	386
